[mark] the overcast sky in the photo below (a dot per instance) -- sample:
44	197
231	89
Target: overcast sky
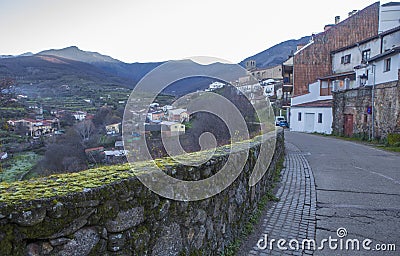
158	30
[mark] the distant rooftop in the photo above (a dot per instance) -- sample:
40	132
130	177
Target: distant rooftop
391	4
316	104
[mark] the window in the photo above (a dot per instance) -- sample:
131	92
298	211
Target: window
320	118
345	59
299	116
387	65
366	55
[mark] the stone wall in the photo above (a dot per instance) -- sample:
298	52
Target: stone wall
123	217
356	102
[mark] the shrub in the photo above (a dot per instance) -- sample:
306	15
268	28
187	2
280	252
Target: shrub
397	144
360	136
393	138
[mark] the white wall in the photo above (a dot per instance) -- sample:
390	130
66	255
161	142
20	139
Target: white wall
389	17
392	40
356	56
383	77
299	126
314	95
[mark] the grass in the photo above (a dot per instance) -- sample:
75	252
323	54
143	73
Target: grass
18	165
389	148
254	218
373	143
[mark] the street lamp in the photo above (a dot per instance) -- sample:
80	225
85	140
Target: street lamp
363	80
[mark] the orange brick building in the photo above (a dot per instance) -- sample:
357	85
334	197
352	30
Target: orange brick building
314	60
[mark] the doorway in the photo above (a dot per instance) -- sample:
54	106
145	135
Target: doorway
309	122
348	125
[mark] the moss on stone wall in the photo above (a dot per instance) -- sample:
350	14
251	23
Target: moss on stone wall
109	211
63	184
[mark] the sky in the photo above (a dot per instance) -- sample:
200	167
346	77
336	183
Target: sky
160	30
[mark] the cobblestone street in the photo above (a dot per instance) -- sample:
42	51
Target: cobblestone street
293	217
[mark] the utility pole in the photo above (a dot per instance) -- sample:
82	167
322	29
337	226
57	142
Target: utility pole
373	102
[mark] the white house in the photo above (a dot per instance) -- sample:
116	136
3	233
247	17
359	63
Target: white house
216	85
119	144
165	108
79	115
389	14
354	66
109	153
3	155
250	88
112	129
269	90
386	66
312	112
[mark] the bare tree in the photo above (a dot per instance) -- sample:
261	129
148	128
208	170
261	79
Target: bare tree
67	119
65	155
85	129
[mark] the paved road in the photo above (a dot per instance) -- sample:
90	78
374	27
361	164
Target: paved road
358	188
329	184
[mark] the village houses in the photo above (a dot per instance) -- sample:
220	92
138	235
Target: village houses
178	115
113	129
34	127
339	71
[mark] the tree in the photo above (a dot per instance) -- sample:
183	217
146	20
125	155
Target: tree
5	89
101	116
21	129
106	115
66	154
67	119
6	127
85	129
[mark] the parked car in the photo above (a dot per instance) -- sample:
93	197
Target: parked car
278	119
284	124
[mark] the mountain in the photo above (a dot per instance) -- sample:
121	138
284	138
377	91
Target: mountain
177	74
47	75
13	56
43	74
132	71
277	54
74	53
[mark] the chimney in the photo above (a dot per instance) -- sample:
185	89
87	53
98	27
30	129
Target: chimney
299	46
352	12
250	64
337	19
328	27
